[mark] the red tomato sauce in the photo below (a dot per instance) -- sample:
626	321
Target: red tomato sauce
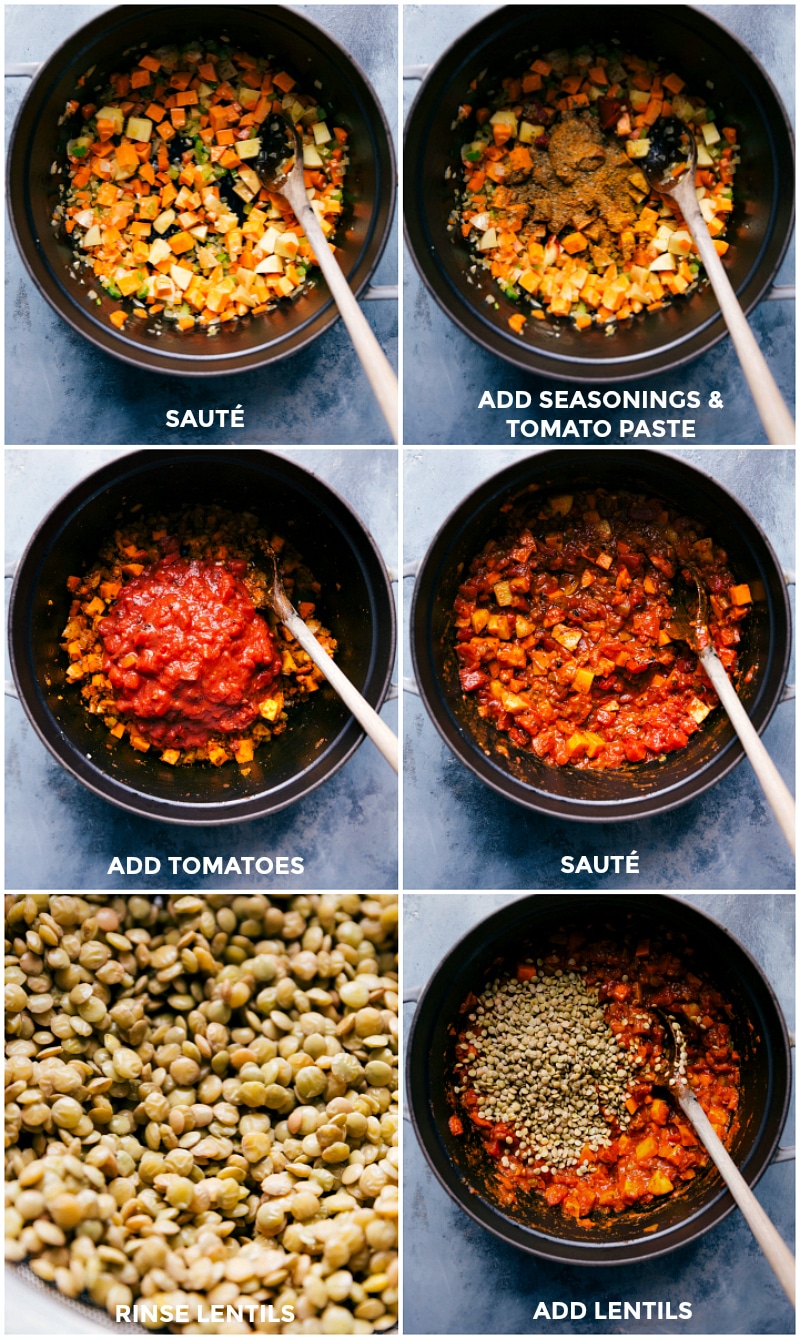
562	629
658	1153
186	651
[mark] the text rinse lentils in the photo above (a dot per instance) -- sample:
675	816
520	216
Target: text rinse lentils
560	1071
201	1105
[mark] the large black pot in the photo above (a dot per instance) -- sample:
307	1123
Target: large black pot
700	49
759	1033
312	55
565	792
356	604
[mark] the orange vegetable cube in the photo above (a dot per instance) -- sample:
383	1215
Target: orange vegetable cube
517	322
180	242
739	595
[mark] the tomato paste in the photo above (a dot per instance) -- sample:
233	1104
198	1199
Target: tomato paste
187	653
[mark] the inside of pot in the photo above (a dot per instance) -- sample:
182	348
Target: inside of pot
704	55
108	45
764	635
355	605
531	1220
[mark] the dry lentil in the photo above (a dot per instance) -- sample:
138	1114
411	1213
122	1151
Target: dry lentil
231	1137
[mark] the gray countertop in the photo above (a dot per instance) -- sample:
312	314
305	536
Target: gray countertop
446	372
60	835
461	1280
460	834
59	388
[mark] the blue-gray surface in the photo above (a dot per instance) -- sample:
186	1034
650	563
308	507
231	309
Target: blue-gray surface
59	835
445	372
460	834
59	388
460	1280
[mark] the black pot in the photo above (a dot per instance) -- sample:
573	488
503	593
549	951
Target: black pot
700	49
565	792
461	1167
356	604
37	140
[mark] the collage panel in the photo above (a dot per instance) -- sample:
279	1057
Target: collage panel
551	285
189	310
522	1217
213	1147
557	738
166	733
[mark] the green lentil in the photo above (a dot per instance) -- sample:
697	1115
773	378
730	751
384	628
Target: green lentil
217	1140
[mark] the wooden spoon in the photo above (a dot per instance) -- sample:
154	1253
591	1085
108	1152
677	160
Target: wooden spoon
778	1255
778	422
271	168
380	734
689	624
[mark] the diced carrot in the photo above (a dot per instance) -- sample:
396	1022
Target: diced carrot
225	137
531	83
571	83
118	318
140	79
180	242
208	72
155	112
574	242
178	117
188	99
181	80
261	110
127	156
674	83
517	321
501	134
284	82
541	67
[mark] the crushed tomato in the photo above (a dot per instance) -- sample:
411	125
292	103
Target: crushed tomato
187	653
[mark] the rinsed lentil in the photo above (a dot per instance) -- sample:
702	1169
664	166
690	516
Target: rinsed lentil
205	1076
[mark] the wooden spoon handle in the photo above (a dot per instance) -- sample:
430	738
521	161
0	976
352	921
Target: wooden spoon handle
376	365
763	1229
770	779
380	734
778	422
